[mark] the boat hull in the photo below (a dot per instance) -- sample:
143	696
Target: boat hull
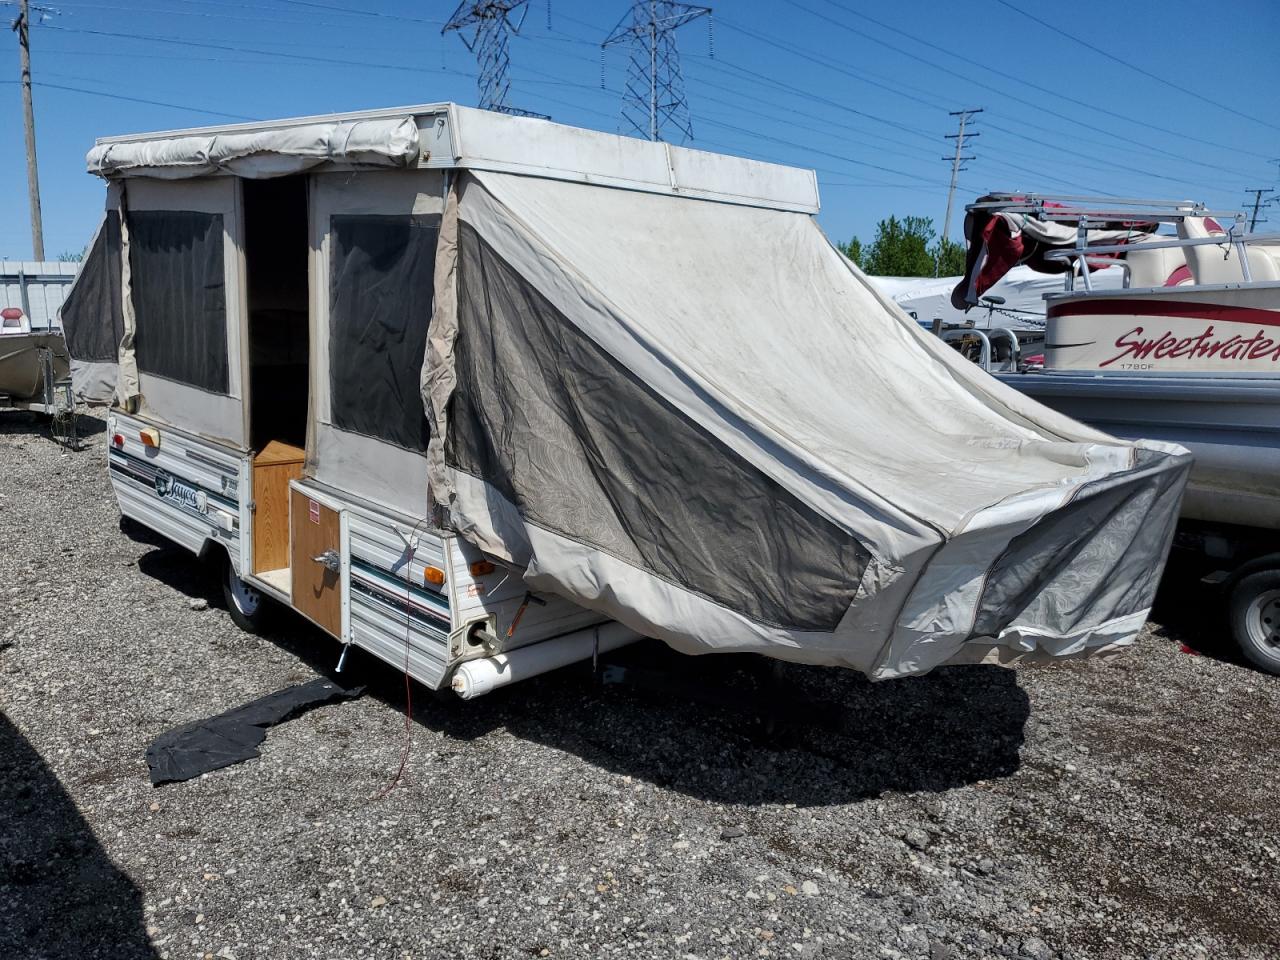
1210	331
22	366
1231	426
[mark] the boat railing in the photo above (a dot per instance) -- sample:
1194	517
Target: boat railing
986	358
1079	257
1099	210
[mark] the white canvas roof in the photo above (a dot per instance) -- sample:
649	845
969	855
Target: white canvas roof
450	136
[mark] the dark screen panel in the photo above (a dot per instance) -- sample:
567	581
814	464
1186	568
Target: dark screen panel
179	296
381	289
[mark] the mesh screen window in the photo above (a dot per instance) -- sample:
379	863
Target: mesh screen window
179	296
381	287
92	317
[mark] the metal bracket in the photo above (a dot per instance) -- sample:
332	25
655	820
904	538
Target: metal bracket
330	560
410	540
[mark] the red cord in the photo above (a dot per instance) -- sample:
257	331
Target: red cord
408	686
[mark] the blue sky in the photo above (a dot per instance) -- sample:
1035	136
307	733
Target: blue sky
1176	100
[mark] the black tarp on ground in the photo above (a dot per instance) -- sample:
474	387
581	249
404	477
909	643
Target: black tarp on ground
185	752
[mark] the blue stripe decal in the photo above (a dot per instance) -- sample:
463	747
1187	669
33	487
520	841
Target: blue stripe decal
380	584
396	607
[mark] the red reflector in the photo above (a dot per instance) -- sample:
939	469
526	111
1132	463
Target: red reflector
481	568
117	440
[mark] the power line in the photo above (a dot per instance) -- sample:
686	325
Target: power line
203	14
787	48
654	98
1110	163
150	103
355	11
832	65
398	63
1055	94
1134	67
757	135
898	89
864	135
818	98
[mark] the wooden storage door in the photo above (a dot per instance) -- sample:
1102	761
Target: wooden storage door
317	588
273	468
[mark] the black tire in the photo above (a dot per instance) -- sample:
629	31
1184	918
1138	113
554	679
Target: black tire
251	610
1255	619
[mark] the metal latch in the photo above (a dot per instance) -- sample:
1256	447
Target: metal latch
330	560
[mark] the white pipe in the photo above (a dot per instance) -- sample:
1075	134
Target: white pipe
477	677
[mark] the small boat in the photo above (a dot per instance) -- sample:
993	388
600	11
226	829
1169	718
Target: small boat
31	361
1186	351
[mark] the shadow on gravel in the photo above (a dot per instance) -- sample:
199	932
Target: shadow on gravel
1192	614
60	895
14	422
736	729
730	728
175	567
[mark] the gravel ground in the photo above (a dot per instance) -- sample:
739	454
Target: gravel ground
1091	809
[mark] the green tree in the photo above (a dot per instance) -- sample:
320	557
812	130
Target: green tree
852	250
949	256
70	256
901	248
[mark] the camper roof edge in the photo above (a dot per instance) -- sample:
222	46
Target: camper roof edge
457	137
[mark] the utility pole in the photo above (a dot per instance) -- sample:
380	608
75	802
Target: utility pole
1257	204
654	95
956	169
20	27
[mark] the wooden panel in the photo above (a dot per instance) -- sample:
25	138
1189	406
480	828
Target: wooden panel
317	591
273	468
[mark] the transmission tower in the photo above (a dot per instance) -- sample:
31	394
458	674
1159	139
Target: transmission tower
956	160
485	27
654	95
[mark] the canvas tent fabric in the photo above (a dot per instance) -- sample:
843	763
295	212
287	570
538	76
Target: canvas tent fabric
759	452
92	316
255	154
682	408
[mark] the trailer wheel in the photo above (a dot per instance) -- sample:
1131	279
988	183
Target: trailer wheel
250	610
1255	618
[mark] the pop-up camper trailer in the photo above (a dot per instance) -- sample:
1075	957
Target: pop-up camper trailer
473	382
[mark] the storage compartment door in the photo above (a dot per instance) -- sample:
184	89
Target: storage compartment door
316	560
